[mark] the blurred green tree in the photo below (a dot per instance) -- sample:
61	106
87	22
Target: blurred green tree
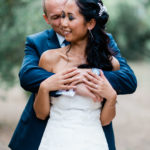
129	24
18	18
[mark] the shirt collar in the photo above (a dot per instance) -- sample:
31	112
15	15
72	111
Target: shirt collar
60	39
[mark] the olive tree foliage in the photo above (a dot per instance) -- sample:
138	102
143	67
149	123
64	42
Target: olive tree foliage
18	18
129	24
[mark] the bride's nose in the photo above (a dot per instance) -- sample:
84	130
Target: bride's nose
64	22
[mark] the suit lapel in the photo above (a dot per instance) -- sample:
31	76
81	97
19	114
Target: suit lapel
52	41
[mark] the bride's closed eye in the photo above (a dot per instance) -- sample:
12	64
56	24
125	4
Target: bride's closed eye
71	17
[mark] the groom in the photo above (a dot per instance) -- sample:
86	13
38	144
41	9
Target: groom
29	131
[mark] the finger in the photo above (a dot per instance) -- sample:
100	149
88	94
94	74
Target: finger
71	74
73	83
100	99
69	70
93	75
93	90
97	98
76	82
95	86
68	87
70	80
102	74
94	99
90	78
92	96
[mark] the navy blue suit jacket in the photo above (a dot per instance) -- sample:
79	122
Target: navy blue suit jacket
29	131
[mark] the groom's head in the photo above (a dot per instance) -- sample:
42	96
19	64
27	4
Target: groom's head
52	13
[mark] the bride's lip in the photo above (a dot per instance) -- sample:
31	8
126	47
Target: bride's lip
66	32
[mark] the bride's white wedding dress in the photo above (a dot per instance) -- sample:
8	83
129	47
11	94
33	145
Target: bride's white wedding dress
74	125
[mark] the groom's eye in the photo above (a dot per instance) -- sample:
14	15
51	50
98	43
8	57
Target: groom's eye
55	17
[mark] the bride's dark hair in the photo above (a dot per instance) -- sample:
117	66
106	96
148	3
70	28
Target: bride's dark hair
97	51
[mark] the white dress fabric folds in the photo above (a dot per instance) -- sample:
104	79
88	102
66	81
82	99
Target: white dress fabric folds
74	125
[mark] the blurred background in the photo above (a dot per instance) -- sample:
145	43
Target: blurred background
129	24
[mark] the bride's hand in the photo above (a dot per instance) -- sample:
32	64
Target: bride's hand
61	81
82	90
81	76
100	85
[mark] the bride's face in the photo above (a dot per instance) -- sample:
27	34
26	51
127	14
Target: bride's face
73	23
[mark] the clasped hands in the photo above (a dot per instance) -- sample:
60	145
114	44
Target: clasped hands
83	81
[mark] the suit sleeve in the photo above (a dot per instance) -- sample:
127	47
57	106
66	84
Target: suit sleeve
123	80
31	75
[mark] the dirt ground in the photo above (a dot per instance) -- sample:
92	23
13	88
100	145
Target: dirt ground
131	125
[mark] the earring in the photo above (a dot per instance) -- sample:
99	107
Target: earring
91	35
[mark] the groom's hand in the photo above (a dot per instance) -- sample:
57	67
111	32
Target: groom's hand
81	88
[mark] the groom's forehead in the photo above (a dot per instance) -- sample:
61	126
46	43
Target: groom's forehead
54	6
54	3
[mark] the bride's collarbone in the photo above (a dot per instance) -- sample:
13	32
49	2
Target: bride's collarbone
71	61
64	60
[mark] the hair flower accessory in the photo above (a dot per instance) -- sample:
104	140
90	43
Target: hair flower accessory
102	9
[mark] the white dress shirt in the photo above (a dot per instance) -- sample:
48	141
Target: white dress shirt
61	40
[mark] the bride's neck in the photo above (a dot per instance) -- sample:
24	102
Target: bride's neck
78	48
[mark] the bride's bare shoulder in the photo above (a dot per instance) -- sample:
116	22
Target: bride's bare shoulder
49	58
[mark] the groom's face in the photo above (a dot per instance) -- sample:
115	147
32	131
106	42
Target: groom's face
53	17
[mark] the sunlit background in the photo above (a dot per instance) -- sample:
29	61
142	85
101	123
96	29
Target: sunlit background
129	24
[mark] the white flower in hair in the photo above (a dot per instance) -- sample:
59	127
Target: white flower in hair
102	9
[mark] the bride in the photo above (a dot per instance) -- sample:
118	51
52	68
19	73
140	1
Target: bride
75	122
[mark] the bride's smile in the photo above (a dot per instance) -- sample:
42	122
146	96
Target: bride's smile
73	23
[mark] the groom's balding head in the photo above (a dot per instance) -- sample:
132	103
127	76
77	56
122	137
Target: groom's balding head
52	13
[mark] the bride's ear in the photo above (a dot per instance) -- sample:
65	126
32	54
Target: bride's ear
91	24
